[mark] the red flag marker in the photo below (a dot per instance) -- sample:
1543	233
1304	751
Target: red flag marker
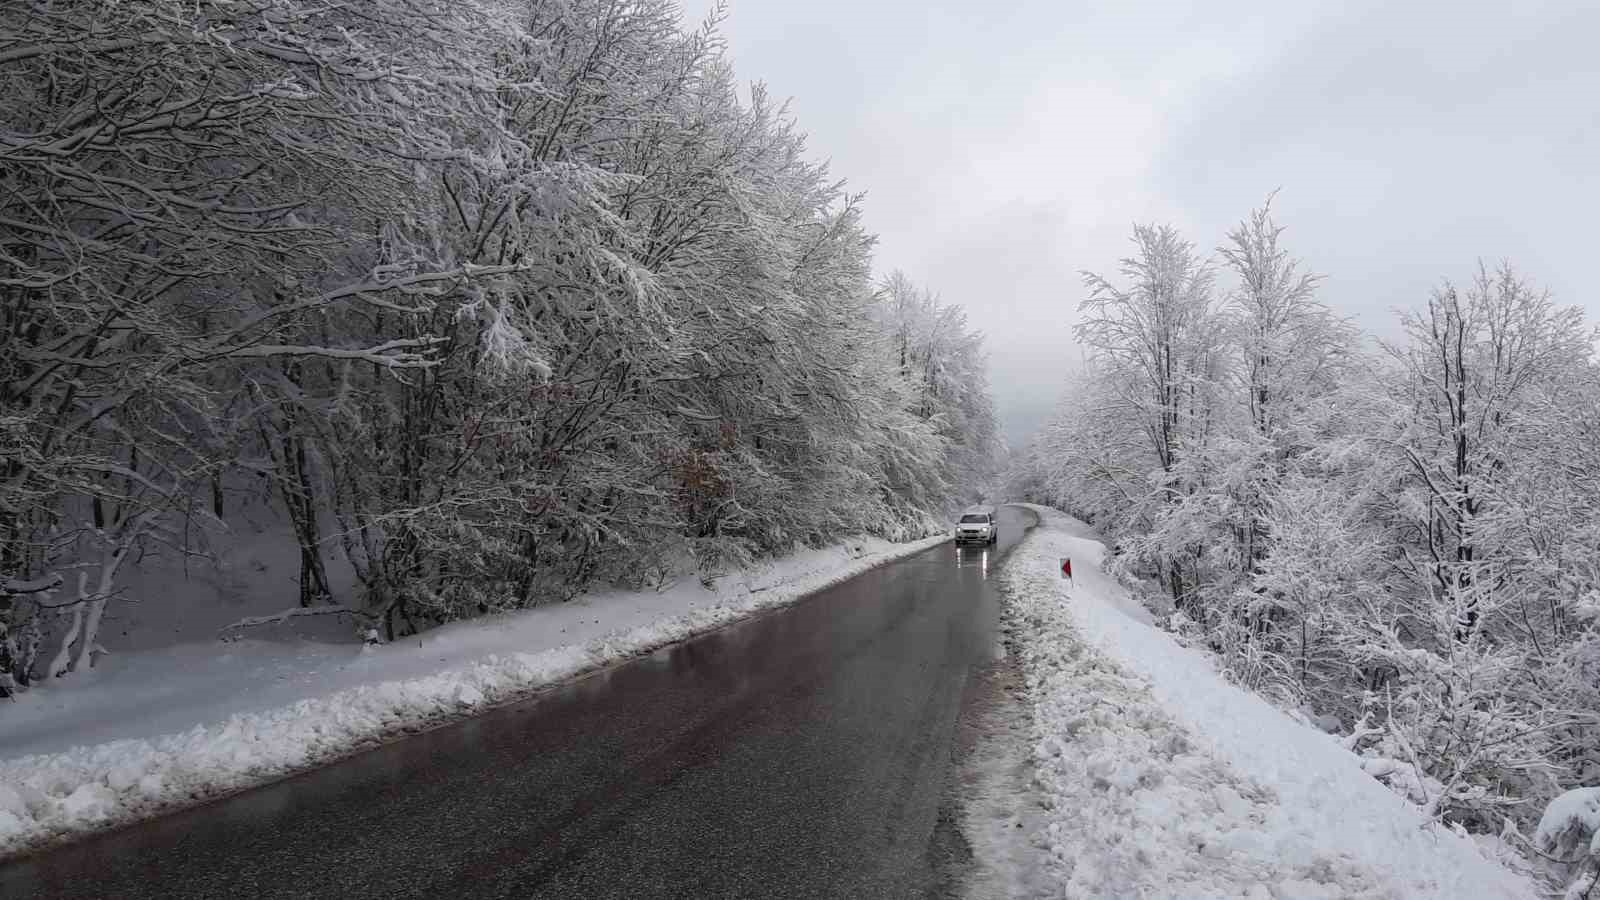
1066	568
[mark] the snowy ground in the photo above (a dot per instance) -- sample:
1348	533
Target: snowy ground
1163	780
1000	816
149	731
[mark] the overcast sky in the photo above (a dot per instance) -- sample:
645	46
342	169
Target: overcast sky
1004	150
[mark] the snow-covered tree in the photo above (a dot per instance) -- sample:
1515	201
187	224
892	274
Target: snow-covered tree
191	192
492	299
1159	341
940	360
1403	541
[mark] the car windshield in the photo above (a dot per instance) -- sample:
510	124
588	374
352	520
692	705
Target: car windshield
974	518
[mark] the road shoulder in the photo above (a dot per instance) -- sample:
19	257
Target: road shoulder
1162	780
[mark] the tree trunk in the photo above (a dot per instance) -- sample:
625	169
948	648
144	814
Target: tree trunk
62	662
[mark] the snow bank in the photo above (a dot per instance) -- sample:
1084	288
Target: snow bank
1167	781
376	694
1569	820
1570	829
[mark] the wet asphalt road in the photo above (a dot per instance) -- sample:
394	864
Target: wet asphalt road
803	753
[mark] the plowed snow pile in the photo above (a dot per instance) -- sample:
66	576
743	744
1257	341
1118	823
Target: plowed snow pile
1163	780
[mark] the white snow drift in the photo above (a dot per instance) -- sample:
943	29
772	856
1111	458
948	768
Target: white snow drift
1166	781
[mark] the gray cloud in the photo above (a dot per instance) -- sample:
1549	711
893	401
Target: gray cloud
1004	150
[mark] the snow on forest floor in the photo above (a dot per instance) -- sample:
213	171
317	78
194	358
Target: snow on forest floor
1163	780
150	731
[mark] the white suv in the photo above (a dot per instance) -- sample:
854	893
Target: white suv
977	528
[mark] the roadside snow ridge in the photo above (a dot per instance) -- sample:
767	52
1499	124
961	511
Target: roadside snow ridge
1166	781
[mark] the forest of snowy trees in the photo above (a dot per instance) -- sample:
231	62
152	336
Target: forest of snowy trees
1401	534
493	299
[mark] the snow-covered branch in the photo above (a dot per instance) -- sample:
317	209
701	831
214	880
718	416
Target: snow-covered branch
40	585
293	612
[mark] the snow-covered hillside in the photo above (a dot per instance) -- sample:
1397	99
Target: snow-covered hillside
150	731
1164	780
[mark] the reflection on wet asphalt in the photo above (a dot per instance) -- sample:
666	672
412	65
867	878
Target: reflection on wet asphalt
798	754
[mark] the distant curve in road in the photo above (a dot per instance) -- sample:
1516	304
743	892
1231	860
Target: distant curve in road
800	753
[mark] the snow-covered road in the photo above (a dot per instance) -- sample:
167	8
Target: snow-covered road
1162	780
